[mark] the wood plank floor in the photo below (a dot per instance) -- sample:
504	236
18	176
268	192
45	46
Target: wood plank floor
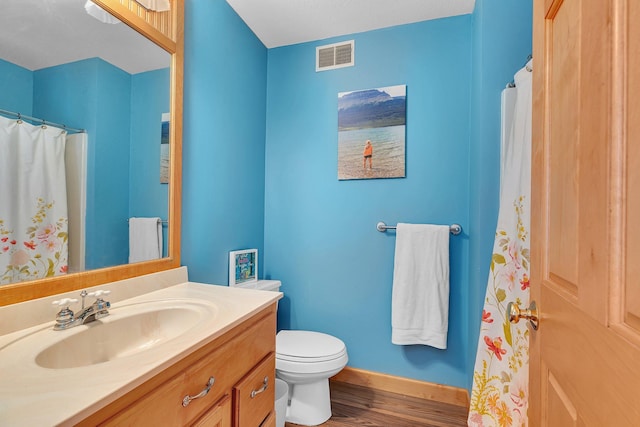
354	405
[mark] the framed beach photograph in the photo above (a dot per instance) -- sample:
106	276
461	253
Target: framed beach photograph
371	133
243	266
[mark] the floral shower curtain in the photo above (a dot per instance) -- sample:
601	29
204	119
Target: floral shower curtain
33	202
499	396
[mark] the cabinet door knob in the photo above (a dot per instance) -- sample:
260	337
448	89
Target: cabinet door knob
265	382
187	399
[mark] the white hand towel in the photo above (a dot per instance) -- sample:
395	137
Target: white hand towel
420	300
145	239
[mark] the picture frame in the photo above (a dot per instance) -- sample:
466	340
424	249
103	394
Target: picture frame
243	266
372	133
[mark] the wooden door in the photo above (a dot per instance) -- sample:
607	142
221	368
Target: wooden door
585	357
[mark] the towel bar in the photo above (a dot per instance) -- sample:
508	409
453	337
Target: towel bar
455	229
162	221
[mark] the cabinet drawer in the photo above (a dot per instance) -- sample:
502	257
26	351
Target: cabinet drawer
164	406
253	396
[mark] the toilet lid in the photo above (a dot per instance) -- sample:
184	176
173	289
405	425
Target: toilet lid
308	346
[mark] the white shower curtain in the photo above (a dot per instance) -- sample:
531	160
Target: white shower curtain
500	392
33	201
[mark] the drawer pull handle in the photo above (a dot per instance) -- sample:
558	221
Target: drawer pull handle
187	399
254	393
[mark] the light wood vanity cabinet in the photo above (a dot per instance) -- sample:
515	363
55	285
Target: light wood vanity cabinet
240	361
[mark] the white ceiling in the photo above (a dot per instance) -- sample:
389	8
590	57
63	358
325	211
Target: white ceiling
41	33
37	34
284	22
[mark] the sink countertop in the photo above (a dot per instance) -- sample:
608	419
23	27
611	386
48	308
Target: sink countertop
33	395
34	312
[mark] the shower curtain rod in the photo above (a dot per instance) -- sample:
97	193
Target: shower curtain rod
43	122
512	83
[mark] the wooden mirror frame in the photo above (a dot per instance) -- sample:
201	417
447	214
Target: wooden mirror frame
166	29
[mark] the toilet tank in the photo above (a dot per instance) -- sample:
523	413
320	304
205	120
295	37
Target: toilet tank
268	285
263	285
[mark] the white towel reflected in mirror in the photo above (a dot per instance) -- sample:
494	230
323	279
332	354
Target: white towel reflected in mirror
145	239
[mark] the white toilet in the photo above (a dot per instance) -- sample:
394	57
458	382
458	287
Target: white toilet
306	360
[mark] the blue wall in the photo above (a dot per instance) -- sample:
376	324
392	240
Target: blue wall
320	235
502	41
94	95
147	197
16	88
111	187
224	136
315	233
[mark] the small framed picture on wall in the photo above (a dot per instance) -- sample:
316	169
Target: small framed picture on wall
243	266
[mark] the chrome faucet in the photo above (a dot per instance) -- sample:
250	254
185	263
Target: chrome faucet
66	318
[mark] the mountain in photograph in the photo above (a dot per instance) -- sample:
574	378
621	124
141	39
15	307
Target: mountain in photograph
371	108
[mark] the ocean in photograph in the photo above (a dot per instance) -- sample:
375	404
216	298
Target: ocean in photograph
388	160
164	163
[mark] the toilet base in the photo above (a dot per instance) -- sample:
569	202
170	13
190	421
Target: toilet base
309	403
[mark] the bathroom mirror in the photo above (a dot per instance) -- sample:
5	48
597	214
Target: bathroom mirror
165	31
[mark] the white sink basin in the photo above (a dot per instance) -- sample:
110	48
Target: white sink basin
127	331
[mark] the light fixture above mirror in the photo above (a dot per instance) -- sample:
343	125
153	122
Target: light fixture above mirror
99	13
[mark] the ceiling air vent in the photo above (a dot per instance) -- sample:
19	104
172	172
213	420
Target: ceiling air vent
332	56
